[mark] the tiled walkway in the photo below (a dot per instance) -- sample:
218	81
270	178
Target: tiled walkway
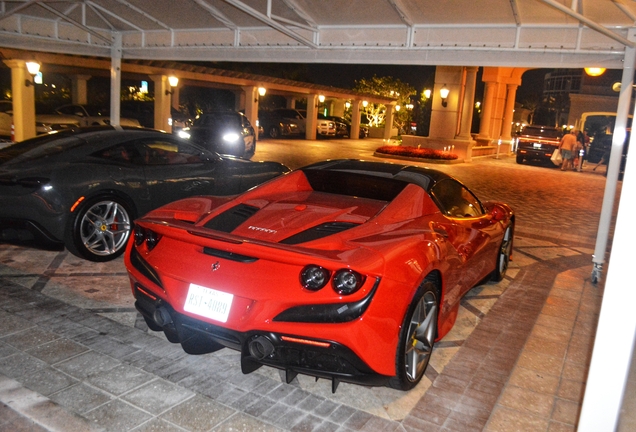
75	356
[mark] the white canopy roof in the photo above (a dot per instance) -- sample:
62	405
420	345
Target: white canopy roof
531	33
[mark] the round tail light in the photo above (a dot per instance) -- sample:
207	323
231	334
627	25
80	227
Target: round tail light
314	277
347	281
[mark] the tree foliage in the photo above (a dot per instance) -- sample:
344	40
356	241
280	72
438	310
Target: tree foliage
387	87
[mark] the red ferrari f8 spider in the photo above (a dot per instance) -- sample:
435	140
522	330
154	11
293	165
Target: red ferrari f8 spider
346	270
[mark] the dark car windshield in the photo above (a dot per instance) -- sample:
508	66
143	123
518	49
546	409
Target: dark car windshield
218	121
42	146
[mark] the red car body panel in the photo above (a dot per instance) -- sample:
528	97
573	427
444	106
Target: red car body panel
394	245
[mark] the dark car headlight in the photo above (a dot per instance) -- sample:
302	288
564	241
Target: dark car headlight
231	137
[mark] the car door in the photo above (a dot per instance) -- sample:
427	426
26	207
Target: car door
176	169
473	233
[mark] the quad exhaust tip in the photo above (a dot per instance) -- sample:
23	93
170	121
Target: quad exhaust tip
162	317
261	347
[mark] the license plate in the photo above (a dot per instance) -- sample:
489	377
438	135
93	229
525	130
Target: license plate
536	145
208	302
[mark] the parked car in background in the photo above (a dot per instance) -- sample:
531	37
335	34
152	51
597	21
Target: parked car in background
343	127
344	269
537	143
225	132
6	118
44	122
600	151
325	128
281	122
142	111
180	120
90	115
84	187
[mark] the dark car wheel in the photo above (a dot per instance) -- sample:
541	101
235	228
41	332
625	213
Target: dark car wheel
100	229
519	159
503	256
274	132
418	334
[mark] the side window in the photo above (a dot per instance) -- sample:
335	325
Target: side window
455	200
123	153
165	152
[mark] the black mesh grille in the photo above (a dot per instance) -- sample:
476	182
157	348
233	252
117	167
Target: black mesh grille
230	219
318	231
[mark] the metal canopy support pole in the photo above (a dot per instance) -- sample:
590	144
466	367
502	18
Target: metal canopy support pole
613	166
115	80
616	332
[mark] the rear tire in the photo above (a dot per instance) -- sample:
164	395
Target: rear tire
519	159
100	229
274	132
417	337
504	254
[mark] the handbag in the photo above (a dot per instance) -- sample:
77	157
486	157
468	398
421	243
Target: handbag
556	157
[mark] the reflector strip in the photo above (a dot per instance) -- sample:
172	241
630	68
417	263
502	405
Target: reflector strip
306	342
76	204
146	293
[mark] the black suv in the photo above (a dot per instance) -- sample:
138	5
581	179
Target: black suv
225	132
537	143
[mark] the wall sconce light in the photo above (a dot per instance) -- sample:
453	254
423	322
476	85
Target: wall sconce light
261	92
443	92
594	71
321	99
173	81
365	103
33	67
347	104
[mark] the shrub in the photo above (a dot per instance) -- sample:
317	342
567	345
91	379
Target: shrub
424	153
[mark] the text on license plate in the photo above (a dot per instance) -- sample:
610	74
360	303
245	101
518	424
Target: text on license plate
536	145
208	302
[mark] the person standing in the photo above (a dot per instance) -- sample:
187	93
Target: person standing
580	153
567	146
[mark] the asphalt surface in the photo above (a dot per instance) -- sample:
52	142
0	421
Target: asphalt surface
75	355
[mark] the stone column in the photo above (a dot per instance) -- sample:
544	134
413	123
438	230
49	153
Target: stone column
175	97
444	118
509	110
162	102
468	103
487	110
388	121
311	122
251	104
23	100
355	119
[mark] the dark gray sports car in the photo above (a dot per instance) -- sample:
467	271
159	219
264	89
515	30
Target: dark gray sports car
83	188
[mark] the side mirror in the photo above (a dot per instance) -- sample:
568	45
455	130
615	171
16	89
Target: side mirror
497	213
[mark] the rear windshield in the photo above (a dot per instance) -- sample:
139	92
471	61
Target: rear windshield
39	147
541	132
354	184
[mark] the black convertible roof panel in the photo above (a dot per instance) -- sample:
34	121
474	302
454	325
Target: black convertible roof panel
423	177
